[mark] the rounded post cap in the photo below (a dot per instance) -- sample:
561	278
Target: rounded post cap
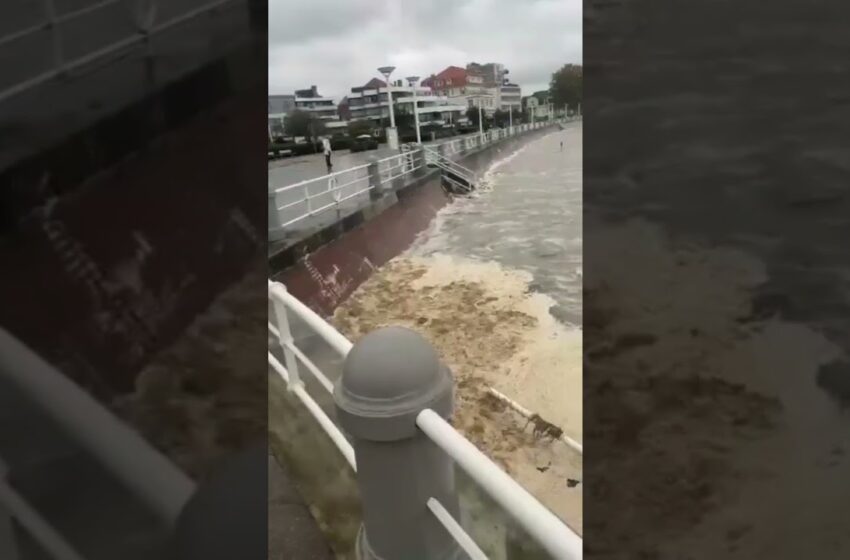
388	378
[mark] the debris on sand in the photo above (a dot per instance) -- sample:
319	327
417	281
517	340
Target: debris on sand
490	331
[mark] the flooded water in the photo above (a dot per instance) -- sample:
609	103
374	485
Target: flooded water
526	216
495	284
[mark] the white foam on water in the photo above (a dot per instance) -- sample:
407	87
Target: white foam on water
487	323
489	175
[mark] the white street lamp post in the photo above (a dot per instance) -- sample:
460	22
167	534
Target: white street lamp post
480	121
392	133
413	80
510	116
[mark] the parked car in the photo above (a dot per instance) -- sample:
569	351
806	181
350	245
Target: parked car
280	149
364	142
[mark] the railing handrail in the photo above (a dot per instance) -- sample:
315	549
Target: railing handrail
140	37
39	528
448	162
321	327
546	528
324	178
141	468
538	521
455	146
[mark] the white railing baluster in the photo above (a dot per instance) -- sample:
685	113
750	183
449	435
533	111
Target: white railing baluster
455	530
285	340
151	476
316	411
555	537
307	200
41	531
353	412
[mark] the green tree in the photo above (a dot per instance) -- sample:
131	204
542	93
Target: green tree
302	123
503	118
566	86
404	122
298	123
356	128
472	115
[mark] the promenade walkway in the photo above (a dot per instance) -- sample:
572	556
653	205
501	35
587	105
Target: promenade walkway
303	200
293	533
291	170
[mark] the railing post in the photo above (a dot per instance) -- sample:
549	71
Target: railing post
274	214
443	149
388	378
336	194
375	181
307	199
418	157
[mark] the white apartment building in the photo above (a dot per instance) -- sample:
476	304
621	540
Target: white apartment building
510	97
538	109
371	102
311	101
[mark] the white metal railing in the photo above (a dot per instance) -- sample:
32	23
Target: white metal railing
308	198
455	170
152	477
294	203
541	524
393	167
144	15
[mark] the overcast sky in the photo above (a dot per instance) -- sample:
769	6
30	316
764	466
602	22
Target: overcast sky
337	44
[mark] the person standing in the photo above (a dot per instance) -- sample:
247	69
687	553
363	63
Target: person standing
326	146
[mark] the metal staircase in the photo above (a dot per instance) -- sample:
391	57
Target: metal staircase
456	178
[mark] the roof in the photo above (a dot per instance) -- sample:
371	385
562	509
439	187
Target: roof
374	83
454	73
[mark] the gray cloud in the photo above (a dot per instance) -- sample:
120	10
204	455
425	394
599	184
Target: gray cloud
337	44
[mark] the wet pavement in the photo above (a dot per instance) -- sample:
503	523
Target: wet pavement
286	171
294	170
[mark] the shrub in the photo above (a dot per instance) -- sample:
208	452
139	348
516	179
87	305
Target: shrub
305	148
340	143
